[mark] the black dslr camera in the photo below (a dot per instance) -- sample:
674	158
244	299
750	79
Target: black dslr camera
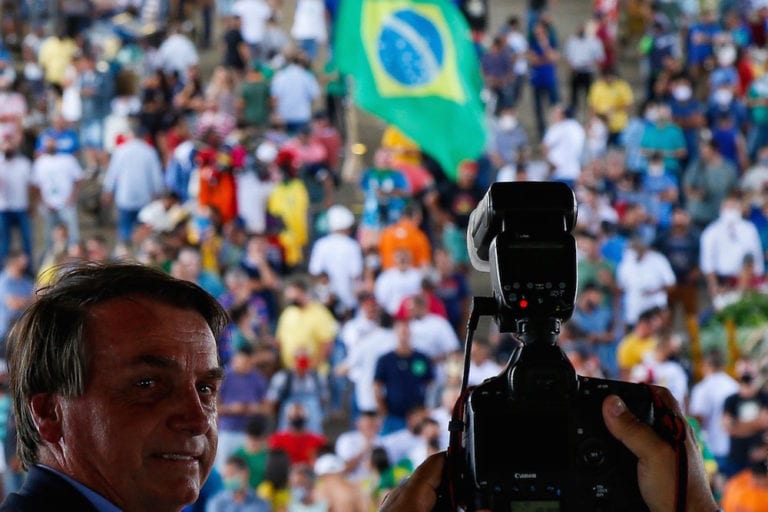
533	439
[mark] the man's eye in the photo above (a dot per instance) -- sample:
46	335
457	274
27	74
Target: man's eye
208	389
146	383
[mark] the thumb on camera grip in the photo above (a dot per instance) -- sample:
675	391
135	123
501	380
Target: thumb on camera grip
638	437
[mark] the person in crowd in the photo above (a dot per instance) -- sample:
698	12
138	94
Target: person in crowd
583	52
293	90
302	385
57	178
593	322
16	291
339	256
15	200
274	489
401	379
396	283
254	449
745	417
706	405
645	277
188	266
237	494
241	397
662	135
563	145
354	447
300	444
724	245
543	56
707	182
611	96
133	179
126	415
748	489
304	326
334	489
497	66
405	234
640	341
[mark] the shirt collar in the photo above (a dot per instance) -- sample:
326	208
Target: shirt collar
99	502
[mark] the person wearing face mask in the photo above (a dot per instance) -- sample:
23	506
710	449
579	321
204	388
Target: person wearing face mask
687	113
663	136
236	494
509	140
745	417
724	101
707	181
725	243
300	444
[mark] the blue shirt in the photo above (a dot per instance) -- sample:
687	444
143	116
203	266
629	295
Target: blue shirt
134	175
224	502
698	52
405	379
16	286
382	210
248	388
66	140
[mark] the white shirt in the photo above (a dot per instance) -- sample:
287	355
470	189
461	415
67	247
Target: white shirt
564	145
584	53
134	175
477	374
356	329
350	445
724	245
252	197
309	21
433	335
55	176
669	374
340	257
643	282
253	15
177	53
707	400
294	89
361	361
392	286
15	177
399	444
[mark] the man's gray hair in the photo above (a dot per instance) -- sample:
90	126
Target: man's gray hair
46	349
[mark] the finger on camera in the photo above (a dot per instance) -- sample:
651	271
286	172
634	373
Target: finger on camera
634	434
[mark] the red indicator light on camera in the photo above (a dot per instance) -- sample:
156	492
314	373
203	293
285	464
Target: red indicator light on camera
523	303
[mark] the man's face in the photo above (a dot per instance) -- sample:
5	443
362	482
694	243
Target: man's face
143	434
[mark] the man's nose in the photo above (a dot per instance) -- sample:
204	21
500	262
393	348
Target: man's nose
192	413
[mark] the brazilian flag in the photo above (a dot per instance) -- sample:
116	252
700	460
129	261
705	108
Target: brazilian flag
414	65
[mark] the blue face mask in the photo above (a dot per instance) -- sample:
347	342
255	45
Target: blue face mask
234	484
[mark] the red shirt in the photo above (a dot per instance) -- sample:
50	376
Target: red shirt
301	447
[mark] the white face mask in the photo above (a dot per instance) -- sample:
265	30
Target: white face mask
507	122
726	55
652	115
656	169
723	97
682	92
730	214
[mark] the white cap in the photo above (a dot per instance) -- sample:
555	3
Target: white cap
328	464
266	152
339	217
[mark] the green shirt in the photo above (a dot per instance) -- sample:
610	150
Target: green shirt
256	96
257	463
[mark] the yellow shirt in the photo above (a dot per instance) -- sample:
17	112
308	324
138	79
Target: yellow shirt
611	100
55	56
277	498
403	149
289	202
307	328
632	349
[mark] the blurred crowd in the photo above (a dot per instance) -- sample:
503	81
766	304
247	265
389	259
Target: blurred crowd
209	139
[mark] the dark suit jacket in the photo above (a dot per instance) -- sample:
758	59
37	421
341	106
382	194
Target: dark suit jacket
45	491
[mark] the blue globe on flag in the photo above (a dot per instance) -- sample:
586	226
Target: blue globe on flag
410	48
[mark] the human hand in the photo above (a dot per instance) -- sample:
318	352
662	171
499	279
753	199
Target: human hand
419	492
656	466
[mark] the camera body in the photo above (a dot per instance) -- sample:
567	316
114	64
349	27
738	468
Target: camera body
533	439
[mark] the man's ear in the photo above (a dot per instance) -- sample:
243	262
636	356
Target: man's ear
46	413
